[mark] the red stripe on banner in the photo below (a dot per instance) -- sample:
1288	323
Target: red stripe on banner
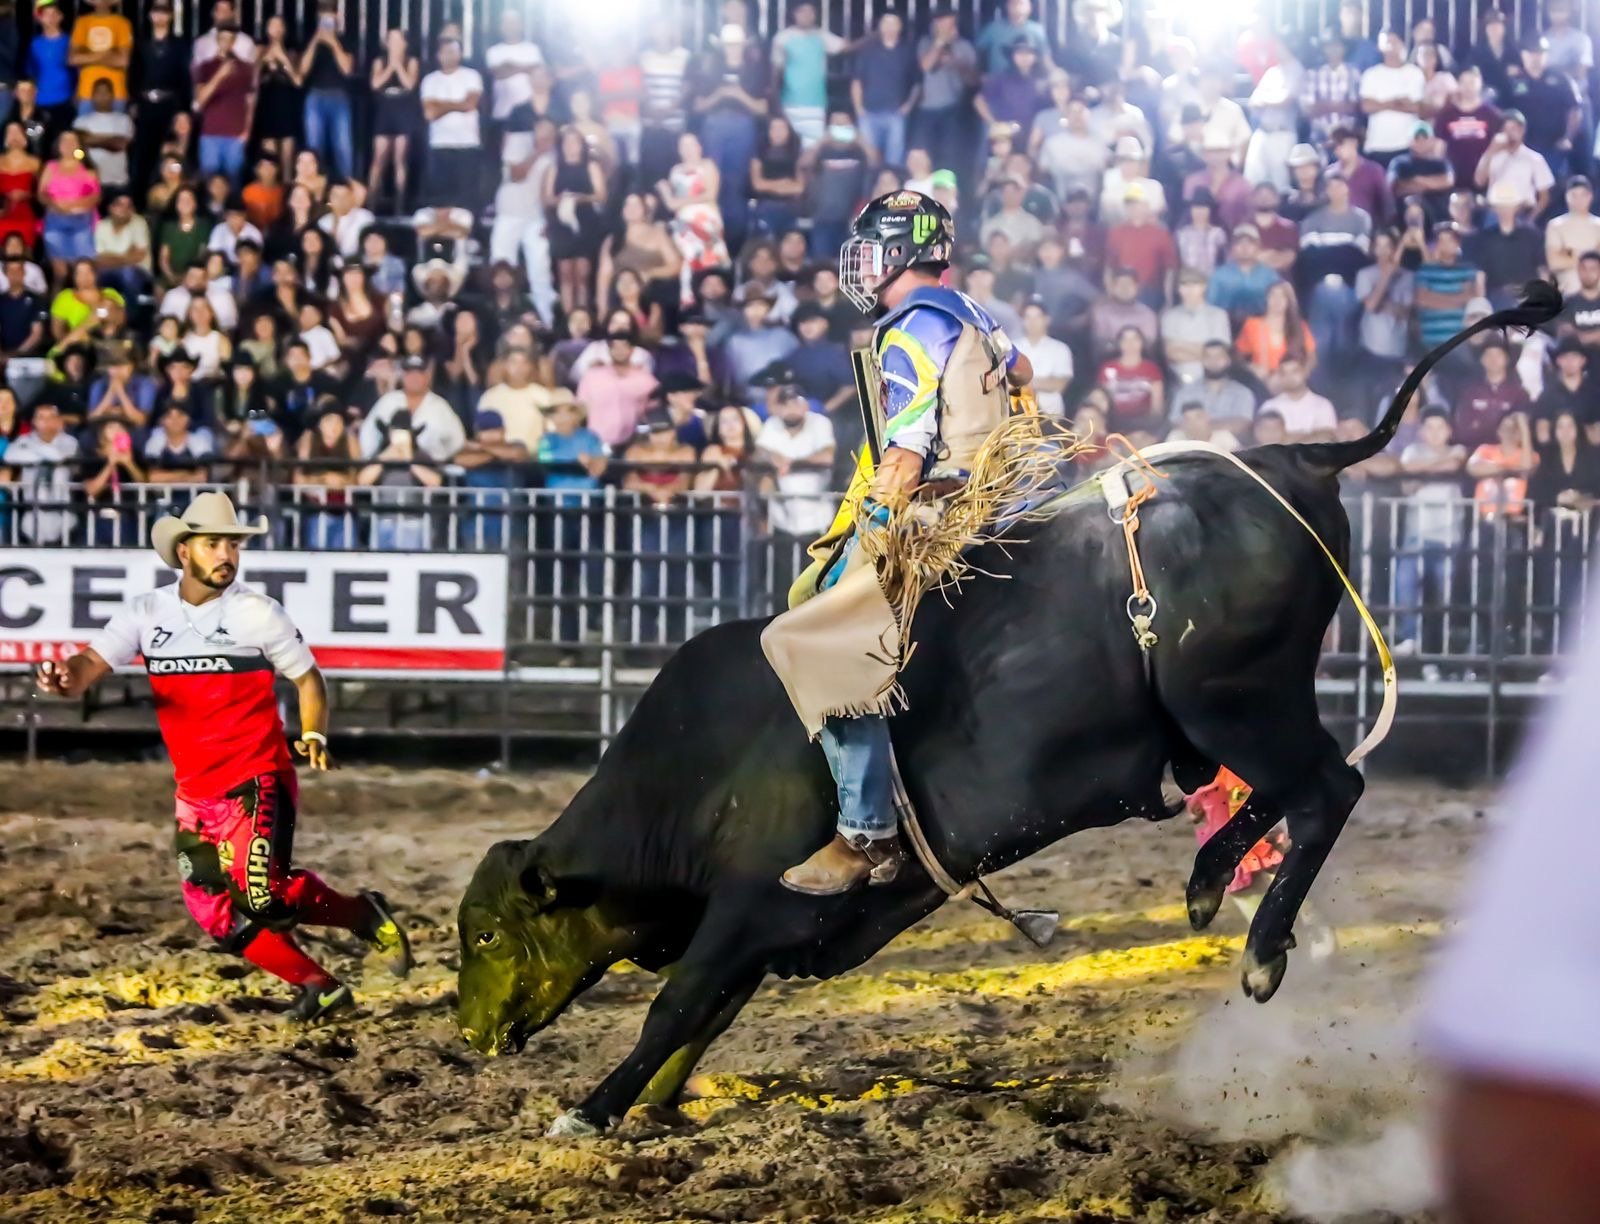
338	658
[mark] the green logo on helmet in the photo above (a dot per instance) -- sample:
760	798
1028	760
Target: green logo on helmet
923	227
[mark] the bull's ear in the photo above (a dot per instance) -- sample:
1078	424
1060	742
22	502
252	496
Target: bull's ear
538	885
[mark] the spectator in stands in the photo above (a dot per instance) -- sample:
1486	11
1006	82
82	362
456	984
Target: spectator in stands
1119	309
799	445
1305	194
980	275
1130	171
777	182
396	112
106	134
1331	95
1146	247
1277	335
1275	104
177	453
1501	468
120	390
1135	386
1307	416
1445	284
1420	172
178	387
1581	318
70	192
942	122
1052	360
401	462
617	389
450	96
1488	400
1391	97
1432	528
800	61
1509	252
225	96
663	111
1512	166
1240	285
1188	327
1201	244
1225	184
1548	98
1280	238
281	104
1467	123
1015	94
1571	391
1572	234
837	171
1022	229
427	417
1073	157
756	343
729	89
122	247
885	86
49	65
512	63
574	192
1439	85
1012	24
1227	402
1387	292
347	218
690	192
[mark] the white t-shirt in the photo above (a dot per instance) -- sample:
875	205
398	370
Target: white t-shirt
225	240
1524	169
437	429
458	129
519	198
1311	413
1576	234
1050	359
800	509
45	470
323	347
205	48
1389	131
109	239
347	231
1516	990
111	166
512	91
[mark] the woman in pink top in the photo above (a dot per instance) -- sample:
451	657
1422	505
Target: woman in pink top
69	191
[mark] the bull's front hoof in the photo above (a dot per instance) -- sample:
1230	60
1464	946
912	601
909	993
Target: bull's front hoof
572	1125
1261	981
1204	903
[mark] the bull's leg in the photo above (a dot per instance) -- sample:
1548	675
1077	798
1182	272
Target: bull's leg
1316	811
693	1000
1216	861
665	1087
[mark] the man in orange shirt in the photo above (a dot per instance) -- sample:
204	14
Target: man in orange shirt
102	43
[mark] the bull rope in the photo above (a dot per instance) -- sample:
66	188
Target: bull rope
1125	510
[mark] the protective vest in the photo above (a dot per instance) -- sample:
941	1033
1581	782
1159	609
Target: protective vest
974	398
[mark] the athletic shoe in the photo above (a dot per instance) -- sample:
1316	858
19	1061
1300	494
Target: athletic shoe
317	1003
387	936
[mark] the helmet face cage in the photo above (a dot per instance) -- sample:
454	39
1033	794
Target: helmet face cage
860	260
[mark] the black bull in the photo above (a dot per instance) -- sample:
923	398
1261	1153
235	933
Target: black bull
1031	717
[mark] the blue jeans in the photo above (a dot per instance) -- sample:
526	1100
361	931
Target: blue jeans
859	749
885	131
393	533
325	532
826	239
69	236
772	218
1333	313
222	155
661	542
1429	564
729	138
328	129
130	282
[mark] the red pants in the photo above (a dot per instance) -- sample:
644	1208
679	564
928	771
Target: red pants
234	854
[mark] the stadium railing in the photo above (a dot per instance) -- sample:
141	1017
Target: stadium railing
1481	598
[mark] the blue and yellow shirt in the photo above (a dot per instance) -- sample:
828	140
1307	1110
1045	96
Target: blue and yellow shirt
914	344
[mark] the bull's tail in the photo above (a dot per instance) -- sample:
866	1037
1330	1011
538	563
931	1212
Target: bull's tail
1541	302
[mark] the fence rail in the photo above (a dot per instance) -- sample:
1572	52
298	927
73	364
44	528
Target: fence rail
1481	601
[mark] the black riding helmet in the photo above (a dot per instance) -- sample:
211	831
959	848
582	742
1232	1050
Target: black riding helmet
897	231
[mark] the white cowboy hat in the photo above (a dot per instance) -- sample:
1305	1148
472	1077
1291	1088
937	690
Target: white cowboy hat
207	514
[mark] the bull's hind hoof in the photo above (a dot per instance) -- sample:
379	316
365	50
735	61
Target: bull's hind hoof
1261	981
572	1125
1204	903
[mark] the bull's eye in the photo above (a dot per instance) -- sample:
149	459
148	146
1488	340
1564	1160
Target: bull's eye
487	939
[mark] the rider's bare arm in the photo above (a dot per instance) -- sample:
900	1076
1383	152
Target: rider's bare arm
73	677
897	476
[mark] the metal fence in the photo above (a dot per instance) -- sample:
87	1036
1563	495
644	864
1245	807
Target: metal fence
1480	600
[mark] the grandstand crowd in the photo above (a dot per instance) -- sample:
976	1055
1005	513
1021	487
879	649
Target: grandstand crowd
557	263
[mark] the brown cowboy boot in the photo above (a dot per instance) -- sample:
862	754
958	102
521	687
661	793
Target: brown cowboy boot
846	862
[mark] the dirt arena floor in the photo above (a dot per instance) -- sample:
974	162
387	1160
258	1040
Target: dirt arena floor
961	1075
